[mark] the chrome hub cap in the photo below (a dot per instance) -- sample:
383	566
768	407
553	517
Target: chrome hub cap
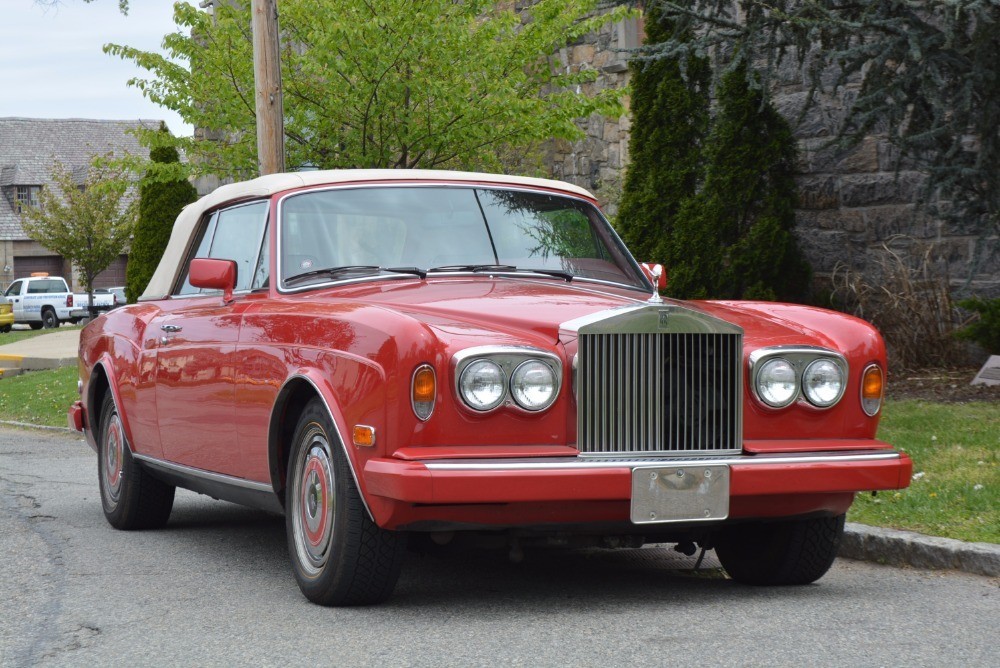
114	447
313	504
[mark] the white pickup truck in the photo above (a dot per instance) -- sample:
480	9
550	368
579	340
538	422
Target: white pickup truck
46	301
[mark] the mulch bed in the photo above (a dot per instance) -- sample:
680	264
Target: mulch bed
940	385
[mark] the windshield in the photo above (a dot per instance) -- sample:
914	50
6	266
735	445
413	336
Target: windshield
337	234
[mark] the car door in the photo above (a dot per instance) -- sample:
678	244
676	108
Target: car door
196	349
13	295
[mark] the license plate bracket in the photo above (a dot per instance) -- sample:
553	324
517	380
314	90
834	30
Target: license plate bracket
681	493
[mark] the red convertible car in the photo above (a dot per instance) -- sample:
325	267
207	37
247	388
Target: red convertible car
385	355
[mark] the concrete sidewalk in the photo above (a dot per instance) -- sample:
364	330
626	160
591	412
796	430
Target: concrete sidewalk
46	351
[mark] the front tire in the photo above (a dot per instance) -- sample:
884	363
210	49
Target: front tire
793	552
5	329
340	557
35	325
130	497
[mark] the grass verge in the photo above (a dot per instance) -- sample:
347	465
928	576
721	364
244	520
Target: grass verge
955	448
955	492
16	335
39	397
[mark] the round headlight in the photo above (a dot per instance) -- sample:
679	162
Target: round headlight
823	383
776	383
482	385
533	385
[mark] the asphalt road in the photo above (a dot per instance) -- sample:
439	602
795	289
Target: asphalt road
215	588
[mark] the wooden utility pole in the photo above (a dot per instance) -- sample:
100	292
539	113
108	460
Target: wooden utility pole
267	81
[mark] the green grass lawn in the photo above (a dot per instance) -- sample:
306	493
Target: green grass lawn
955	449
22	334
39	397
956	488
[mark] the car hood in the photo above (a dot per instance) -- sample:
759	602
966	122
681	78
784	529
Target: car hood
503	309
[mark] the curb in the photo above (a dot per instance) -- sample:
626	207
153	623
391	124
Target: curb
908	548
44	427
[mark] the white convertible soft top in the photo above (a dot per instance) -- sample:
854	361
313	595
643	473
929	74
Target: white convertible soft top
166	273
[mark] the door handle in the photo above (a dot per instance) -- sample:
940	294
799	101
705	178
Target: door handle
171	328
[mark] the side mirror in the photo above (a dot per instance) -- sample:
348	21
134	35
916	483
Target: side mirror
656	274
214	275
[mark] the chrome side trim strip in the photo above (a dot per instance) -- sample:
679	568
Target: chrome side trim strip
205	475
587	464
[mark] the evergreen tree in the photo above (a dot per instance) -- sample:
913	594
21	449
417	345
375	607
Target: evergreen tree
670	116
733	239
928	72
159	204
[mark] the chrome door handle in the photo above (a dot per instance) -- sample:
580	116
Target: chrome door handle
171	328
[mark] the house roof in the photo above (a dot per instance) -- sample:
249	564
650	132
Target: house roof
168	269
29	148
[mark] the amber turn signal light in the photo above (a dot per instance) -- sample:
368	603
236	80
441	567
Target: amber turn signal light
424	391
364	436
872	389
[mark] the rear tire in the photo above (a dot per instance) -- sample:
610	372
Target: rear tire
35	325
130	497
49	319
340	557
5	329
793	552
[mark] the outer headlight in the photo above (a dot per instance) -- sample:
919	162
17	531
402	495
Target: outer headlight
823	383
482	385
776	384
533	385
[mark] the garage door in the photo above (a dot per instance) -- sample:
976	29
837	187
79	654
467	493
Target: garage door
26	266
114	275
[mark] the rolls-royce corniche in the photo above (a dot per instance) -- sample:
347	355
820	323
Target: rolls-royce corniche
390	356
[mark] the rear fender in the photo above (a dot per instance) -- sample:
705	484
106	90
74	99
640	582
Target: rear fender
103	377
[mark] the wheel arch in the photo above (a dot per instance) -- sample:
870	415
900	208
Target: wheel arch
101	382
288	407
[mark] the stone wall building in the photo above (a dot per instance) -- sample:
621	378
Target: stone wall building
29	149
851	202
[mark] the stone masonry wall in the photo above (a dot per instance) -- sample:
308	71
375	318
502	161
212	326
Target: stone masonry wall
851	202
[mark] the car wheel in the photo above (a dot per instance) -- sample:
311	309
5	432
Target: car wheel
780	553
131	498
5	329
35	325
49	319
339	555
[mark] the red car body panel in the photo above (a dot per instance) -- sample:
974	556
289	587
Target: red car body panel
200	381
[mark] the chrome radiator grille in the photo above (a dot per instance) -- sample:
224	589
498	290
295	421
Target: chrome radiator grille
659	393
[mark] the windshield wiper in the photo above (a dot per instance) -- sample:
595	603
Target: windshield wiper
334	272
475	267
501	268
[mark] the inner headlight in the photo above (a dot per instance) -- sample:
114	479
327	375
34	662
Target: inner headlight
776	383
533	385
482	385
823	383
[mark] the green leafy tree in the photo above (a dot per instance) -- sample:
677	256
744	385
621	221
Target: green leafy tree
928	73
733	239
159	204
670	118
386	83
87	223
